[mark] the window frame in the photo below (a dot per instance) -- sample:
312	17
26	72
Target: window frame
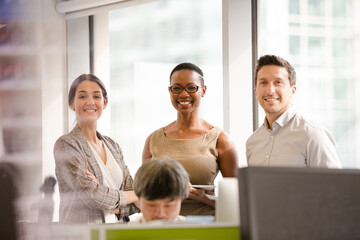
239	48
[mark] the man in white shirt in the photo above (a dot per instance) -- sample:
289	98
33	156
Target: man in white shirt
286	138
161	185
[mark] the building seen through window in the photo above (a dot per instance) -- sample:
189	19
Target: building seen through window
321	39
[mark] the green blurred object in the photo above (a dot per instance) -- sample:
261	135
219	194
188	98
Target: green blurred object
200	233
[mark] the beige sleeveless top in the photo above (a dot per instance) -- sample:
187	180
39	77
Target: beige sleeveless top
198	156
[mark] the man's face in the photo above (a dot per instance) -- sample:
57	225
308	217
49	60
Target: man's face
160	209
273	90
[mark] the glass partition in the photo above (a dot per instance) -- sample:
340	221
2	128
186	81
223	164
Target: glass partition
146	42
321	39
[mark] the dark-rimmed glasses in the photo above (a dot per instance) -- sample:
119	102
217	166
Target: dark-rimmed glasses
177	89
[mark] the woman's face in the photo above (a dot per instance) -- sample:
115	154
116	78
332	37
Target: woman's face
88	103
184	101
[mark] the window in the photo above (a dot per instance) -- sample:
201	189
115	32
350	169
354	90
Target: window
339	8
294	44
294	7
340	48
134	46
316	46
316	7
147	41
324	48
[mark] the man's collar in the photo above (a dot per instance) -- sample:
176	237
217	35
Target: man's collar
284	118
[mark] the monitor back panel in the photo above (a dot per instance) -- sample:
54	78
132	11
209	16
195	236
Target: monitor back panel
299	203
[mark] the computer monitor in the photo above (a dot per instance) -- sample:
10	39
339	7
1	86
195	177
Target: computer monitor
299	203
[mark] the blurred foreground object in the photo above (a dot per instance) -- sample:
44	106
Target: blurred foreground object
46	208
8	195
45	205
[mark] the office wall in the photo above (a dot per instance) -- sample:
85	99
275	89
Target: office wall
32	84
54	87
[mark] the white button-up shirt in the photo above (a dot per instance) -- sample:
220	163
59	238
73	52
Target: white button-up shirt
293	142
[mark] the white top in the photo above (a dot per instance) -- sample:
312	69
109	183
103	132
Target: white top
140	219
293	142
112	176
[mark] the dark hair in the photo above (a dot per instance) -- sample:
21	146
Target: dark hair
277	61
80	79
161	178
189	66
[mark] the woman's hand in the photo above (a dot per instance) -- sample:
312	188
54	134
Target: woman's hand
131	198
91	176
114	211
196	194
199	195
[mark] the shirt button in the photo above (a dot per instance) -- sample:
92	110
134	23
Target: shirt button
267	156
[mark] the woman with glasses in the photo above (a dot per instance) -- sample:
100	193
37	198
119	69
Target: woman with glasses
203	149
94	181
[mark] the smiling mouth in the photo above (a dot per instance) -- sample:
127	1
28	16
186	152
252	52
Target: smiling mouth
184	103
271	99
90	110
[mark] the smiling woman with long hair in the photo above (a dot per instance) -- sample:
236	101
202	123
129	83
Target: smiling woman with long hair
95	184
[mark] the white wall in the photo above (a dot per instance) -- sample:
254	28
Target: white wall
53	70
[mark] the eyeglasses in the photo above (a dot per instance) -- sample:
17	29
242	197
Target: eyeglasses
177	89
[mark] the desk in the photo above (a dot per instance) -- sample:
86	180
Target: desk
173	231
213	231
